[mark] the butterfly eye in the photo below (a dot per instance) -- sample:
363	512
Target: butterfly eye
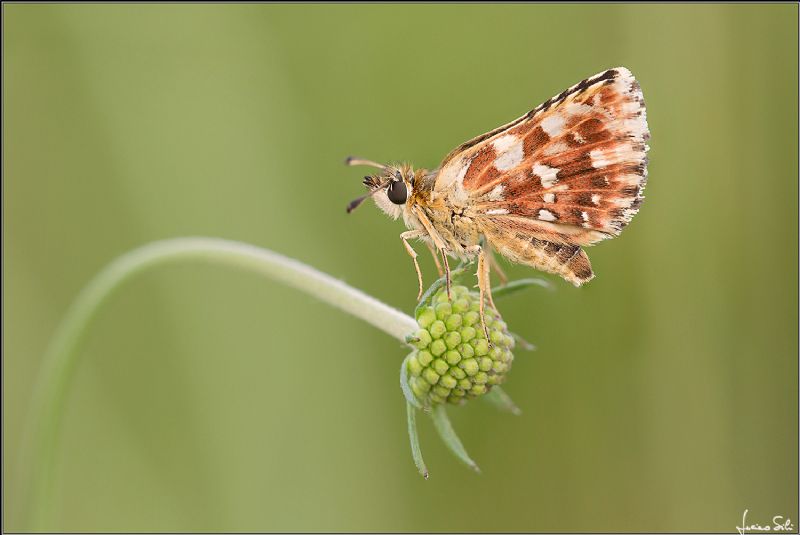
397	192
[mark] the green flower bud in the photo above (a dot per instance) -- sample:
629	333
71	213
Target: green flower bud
443	310
414	367
471	318
497	337
419	388
458	373
438	347
454	360
423	338
461	305
481	346
442	391
426	317
448	381
470	366
454	322
437	329
452	357
466	350
459	291
452	340
424	358
477	390
440	297
440	366
431	376
468	333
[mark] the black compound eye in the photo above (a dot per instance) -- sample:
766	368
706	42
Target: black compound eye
397	192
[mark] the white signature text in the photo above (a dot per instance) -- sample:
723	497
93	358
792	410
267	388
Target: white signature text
779	525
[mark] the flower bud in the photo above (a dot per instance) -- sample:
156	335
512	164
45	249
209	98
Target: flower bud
454	360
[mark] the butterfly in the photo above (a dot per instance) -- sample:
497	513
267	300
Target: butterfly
565	175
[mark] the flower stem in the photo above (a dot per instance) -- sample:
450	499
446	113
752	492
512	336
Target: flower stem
61	357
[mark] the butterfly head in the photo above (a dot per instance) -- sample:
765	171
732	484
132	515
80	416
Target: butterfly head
391	188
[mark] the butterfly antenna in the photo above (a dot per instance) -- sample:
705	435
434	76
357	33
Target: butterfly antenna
360	161
355	203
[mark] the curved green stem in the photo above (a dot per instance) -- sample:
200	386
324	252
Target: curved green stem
62	354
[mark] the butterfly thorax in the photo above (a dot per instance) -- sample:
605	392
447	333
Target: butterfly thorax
452	220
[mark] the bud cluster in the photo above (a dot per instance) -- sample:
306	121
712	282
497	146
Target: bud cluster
454	361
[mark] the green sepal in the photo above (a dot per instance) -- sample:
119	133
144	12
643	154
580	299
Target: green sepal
409	395
498	397
448	435
523	344
515	286
416	453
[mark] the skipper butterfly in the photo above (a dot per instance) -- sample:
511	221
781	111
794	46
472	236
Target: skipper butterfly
567	174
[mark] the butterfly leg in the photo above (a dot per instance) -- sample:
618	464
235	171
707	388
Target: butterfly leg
446	271
484	286
437	241
405	236
435	258
496	266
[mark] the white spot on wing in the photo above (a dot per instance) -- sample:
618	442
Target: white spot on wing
497	211
555	148
509	152
546	215
585	216
604	158
463	171
547	174
553	124
595	199
452	174
549	197
497	193
505	142
576	108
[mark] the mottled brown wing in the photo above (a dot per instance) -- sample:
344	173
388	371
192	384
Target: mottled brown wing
516	240
569	173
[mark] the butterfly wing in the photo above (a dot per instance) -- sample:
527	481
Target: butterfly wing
569	173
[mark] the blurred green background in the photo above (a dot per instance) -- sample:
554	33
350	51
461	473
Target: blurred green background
663	395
